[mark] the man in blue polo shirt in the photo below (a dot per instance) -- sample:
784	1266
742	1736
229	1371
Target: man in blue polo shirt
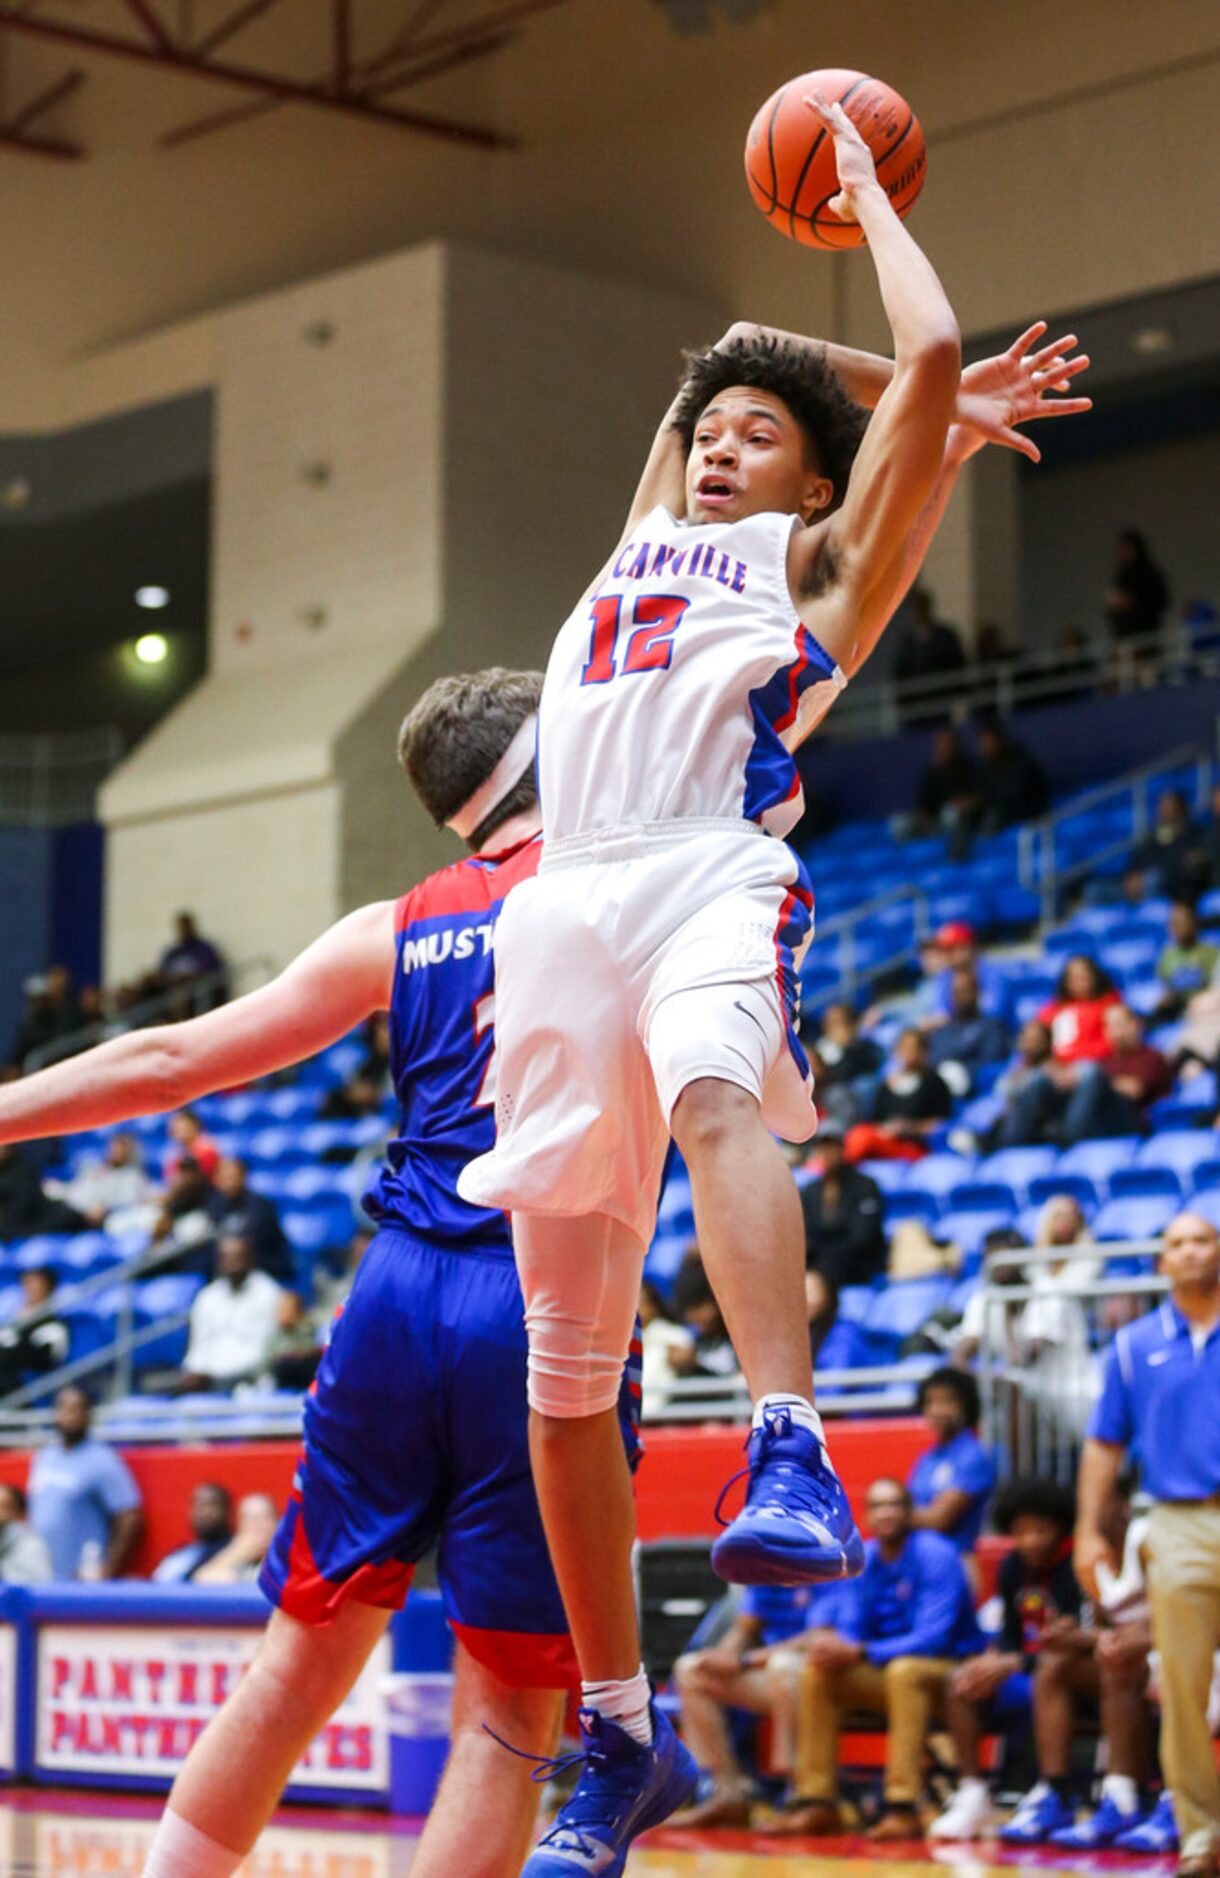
952	1480
1161	1398
900	1631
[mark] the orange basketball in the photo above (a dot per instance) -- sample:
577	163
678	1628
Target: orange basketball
790	159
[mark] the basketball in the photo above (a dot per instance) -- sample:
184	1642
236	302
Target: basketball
790	159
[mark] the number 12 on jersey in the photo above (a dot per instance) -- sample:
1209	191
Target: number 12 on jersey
656	618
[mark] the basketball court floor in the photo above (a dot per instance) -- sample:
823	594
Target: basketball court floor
51	1835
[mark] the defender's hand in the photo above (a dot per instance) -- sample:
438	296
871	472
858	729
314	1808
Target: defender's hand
1014	388
853	158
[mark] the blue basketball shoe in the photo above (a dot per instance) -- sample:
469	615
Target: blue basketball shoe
796	1527
623	1790
1040	1814
1102	1829
1156	1833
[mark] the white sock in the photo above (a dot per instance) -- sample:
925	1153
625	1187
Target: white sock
623	1702
1123	1791
971	1784
802	1412
180	1850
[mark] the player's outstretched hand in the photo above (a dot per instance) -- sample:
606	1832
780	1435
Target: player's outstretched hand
853	158
1017	387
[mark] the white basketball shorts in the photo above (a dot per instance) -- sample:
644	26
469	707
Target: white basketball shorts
634	964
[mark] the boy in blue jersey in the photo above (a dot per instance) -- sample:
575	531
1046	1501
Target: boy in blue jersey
951	1481
415	1434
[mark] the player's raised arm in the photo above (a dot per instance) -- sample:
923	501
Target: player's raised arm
861	551
336	982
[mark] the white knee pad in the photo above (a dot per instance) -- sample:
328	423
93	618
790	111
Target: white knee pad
731	1033
581	1283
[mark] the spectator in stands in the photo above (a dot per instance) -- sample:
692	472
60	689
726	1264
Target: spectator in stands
365	1090
989	646
821	1306
235	1208
739	1671
83	1500
117	1183
190	1143
1013	786
1054	1364
36	1341
1034	1060
1162	1395
661	1334
948	797
1068	1679
912	1103
240	1561
295	1352
332	1289
233	1321
184	1221
1084	1101
190	958
843	1210
1138	595
851	1065
51	1012
1173	859
1076	1015
25	1207
211	1521
900	1629
994	1320
710	1352
24	1559
969	1040
951	1482
1187	965
1039	1596
928	647
954	946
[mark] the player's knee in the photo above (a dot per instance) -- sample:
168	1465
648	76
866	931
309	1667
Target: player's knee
570	1384
708	1114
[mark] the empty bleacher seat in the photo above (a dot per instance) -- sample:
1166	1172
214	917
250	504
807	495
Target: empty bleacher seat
1182	1149
1097	1160
1134	1182
1140	1218
970	1230
1017	1167
938	1174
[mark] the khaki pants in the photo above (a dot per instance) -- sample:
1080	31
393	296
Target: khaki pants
1184	1590
908	1691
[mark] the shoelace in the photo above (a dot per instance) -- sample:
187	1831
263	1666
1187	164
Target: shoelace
816	1496
548	1768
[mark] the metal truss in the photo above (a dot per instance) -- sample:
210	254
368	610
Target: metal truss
365	89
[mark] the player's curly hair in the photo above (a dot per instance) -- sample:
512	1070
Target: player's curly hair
456	733
830	420
1035	1498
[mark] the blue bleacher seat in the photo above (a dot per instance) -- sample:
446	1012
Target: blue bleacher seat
1078	1187
903	1305
307	1233
983	1196
902	1205
969	1230
291	1105
1143	1218
1207	1174
1097	1160
855	1302
43	1248
1016	1167
1182	1149
1128	1183
890	1176
87	1331
1207	1202
166	1296
665	1256
844	1347
938	1174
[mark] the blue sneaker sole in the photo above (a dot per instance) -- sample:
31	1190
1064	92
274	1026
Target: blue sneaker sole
678	1789
747	1559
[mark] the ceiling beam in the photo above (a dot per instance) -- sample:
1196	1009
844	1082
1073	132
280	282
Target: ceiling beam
46	101
151	24
265	85
228	28
56	147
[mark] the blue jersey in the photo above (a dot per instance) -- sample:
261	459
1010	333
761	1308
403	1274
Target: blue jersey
441	1051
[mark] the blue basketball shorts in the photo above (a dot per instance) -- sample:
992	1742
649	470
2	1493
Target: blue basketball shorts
416	1436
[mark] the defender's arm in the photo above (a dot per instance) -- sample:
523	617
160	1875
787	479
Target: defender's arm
338	981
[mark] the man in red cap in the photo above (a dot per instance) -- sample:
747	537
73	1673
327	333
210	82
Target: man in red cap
954	944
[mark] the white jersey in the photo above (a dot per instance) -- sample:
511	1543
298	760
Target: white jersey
679	689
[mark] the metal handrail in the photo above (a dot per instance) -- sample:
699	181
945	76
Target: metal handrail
845	924
1019	679
199	990
1037	869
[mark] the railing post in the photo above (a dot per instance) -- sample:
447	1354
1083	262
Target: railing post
124	1368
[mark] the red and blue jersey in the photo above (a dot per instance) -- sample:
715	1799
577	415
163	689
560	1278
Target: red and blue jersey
441	1040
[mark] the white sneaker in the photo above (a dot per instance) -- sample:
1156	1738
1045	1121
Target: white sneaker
968	1815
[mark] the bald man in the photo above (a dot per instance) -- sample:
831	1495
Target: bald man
1162	1396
